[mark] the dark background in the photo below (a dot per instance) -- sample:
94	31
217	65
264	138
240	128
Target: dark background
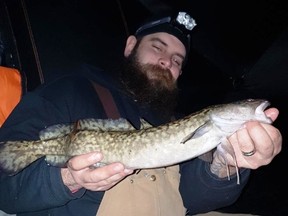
239	50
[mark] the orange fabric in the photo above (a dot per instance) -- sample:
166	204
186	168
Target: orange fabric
10	91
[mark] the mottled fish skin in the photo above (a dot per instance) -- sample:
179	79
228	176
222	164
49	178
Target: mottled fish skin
149	147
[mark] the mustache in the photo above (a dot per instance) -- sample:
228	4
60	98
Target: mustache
157	70
159	76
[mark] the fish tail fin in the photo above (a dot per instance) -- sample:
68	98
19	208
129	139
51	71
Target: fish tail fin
15	155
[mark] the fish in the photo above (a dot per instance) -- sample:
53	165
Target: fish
148	147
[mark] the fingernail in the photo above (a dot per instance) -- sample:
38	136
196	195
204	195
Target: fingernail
128	171
118	168
97	156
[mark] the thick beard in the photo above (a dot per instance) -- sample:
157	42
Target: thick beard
150	85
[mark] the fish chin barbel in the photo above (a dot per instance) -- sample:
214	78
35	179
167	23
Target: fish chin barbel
149	147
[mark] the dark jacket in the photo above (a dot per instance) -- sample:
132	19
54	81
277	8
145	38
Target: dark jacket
39	190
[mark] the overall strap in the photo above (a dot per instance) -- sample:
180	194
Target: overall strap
119	201
107	101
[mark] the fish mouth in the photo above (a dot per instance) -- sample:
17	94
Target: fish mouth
263	106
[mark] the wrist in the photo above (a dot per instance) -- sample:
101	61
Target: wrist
69	181
219	168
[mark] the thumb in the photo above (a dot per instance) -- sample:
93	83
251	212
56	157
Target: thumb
272	113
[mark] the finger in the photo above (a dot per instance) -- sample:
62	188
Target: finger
275	137
260	139
107	170
105	177
245	143
111	170
83	161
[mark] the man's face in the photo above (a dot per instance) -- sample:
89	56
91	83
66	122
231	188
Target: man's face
152	69
162	50
158	77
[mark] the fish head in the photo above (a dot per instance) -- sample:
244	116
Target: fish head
230	117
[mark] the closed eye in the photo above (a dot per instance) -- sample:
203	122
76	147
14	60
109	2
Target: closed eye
177	61
157	48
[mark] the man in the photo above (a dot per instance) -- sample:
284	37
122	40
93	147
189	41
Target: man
148	88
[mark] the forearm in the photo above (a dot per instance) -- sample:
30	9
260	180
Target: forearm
36	188
202	191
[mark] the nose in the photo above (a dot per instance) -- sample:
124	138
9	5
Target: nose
165	62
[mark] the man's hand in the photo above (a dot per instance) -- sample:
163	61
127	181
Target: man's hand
262	141
79	174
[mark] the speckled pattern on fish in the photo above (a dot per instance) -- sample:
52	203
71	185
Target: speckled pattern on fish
149	147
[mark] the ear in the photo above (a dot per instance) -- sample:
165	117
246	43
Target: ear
130	44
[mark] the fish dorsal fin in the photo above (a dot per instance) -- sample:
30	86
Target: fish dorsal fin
120	124
58	130
200	131
55	131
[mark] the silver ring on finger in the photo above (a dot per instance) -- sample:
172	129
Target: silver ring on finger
248	154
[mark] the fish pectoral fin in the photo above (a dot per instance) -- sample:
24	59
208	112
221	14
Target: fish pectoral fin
200	131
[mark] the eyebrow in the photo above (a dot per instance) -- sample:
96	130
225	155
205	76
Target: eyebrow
166	45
